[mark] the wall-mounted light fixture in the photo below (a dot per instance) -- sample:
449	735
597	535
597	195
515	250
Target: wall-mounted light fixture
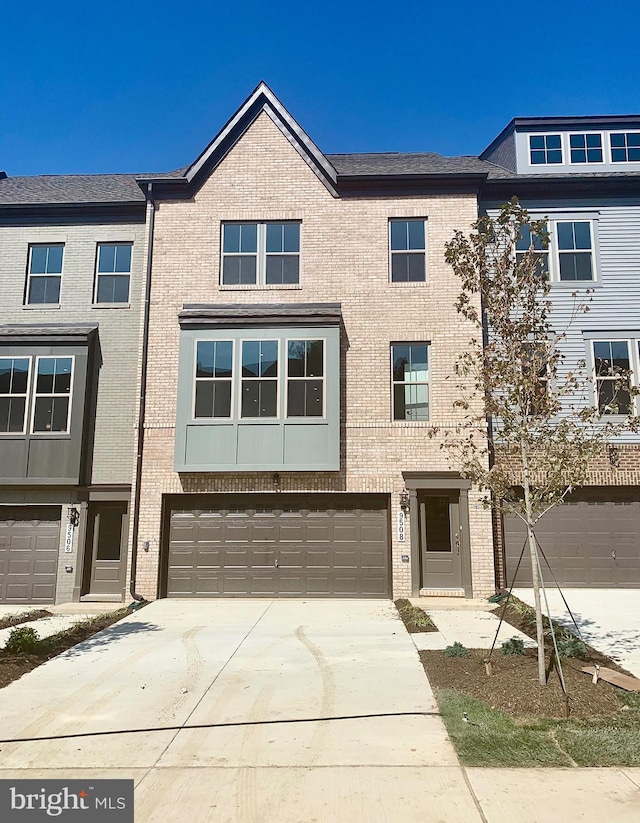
404	501
74	516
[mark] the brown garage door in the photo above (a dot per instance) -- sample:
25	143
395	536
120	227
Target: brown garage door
29	540
593	539
290	546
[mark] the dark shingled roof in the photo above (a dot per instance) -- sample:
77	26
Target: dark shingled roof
393	163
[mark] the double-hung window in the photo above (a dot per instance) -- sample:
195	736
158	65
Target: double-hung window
214	373
407	248
625	147
52	395
410	381
14	386
44	274
305	378
612	365
545	149
113	273
260	254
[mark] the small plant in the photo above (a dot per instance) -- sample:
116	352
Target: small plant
22	640
457	650
512	647
572	647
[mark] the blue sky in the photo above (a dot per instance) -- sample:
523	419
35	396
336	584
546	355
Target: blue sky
143	86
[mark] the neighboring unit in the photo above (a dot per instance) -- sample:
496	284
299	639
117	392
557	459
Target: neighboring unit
583	175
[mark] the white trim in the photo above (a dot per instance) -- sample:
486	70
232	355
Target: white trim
35	394
194	379
28	357
323	416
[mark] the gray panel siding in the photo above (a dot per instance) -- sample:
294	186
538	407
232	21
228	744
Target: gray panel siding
119	328
614	309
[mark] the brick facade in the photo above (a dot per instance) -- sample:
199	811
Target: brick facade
344	258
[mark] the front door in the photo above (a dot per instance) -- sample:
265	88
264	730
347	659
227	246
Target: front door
439	521
106	542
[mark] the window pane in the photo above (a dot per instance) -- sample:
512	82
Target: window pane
38	260
54	260
269	358
399	235
249	237
416	273
315	358
231	238
275	237
536	142
582	234
565	235
204	358
204	398
223	358
296	358
416	234
292	237
553	141
106	258
46	372
62	380
123	258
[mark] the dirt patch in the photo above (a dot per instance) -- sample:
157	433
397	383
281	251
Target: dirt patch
25	617
513	687
414	618
13	665
522	616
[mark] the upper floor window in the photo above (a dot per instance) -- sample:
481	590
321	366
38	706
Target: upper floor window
408	250
410	381
625	147
52	394
612	372
260	253
545	149
14	383
44	274
113	273
586	148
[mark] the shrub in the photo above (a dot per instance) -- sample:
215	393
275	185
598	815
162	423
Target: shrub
572	647
457	650
22	640
512	647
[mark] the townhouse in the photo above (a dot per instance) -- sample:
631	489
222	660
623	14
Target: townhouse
583	175
234	379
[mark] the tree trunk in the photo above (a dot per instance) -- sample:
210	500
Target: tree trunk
533	551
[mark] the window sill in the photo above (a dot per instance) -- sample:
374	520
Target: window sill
41	306
111	305
261	287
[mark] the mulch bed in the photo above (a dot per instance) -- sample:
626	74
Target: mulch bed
17	619
404	608
513	687
526	626
14	665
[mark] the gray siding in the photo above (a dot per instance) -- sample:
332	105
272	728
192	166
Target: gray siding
292	444
111	459
614	310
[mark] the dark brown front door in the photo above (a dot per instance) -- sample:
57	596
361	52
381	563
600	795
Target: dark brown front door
439	520
106	542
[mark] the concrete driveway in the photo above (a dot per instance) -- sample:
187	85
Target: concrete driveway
609	619
207	663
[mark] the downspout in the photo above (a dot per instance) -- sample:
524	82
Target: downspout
142	404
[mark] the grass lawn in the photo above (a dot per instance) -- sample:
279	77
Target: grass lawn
495	738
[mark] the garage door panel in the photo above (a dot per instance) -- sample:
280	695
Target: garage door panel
592	540
294	549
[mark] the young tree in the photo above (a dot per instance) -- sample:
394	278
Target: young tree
528	419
